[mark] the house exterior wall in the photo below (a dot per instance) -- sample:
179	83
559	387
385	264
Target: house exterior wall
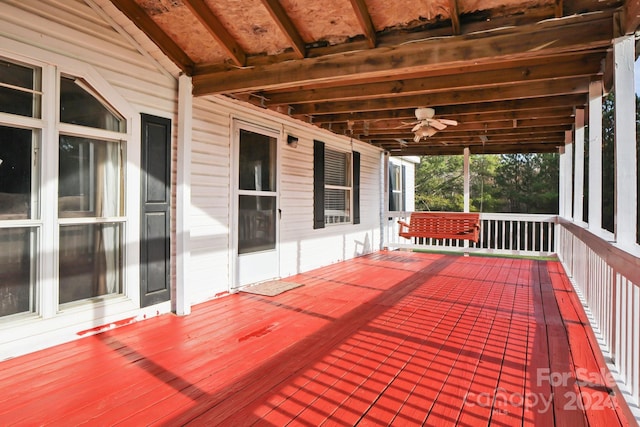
72	38
78	38
301	248
408	164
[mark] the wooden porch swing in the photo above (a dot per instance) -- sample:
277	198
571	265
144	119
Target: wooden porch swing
442	225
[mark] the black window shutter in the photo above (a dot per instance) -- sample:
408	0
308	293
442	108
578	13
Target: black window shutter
356	187
318	184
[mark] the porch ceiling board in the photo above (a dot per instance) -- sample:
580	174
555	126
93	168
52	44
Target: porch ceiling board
362	61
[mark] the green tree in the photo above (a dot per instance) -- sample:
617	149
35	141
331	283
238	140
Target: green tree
506	183
528	183
439	184
608	165
483	197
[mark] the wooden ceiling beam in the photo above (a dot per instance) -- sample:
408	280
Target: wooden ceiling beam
506	109
413	149
213	25
392	126
582	64
555	36
554	132
287	27
139	17
364	18
556	87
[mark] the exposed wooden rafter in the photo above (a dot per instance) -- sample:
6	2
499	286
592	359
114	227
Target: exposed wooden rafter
530	70
213	25
512	71
508	108
455	17
568	34
559	6
574	85
139	17
286	25
362	13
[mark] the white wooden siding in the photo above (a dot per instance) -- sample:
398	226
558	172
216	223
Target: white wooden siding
301	247
210	197
75	37
75	33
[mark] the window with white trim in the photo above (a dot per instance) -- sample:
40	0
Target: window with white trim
20	227
90	219
397	187
337	187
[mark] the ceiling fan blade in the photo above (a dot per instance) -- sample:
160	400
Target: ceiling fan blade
449	122
437	124
431	131
417	127
417	137
405	125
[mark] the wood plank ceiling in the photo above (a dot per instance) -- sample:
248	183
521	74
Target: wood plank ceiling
511	73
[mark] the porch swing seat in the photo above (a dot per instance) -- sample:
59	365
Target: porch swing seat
442	225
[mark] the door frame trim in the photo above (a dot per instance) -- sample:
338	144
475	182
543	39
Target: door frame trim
236	125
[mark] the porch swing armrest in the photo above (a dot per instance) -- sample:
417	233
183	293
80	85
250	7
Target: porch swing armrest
404	229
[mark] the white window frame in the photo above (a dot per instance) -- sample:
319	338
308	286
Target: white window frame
349	188
48	129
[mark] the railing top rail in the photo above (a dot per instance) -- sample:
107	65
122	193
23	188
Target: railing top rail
495	215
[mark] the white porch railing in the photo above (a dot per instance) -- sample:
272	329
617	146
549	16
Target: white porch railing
513	234
608	280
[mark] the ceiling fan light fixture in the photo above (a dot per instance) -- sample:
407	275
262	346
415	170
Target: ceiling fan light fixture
424	132
425	113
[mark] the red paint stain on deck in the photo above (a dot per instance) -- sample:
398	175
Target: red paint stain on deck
257	334
106	327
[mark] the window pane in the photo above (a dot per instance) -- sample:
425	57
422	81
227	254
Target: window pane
256	223
395	188
336	205
16	270
80	107
257	162
90	178
336	168
17	86
90	261
15	172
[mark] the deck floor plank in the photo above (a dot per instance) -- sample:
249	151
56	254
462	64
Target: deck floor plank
392	338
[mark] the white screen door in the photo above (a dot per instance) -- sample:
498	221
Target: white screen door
257	206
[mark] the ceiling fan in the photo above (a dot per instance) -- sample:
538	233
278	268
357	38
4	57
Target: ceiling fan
427	125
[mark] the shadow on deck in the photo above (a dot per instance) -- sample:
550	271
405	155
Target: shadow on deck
393	338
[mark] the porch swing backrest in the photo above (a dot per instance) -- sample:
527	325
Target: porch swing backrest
442	225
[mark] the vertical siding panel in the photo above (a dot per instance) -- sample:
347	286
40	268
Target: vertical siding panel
210	176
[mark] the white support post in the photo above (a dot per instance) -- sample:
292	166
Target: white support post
578	183
595	155
625	141
48	293
183	196
467	180
566	169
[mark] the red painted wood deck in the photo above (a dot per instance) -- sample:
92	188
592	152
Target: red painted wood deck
394	338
